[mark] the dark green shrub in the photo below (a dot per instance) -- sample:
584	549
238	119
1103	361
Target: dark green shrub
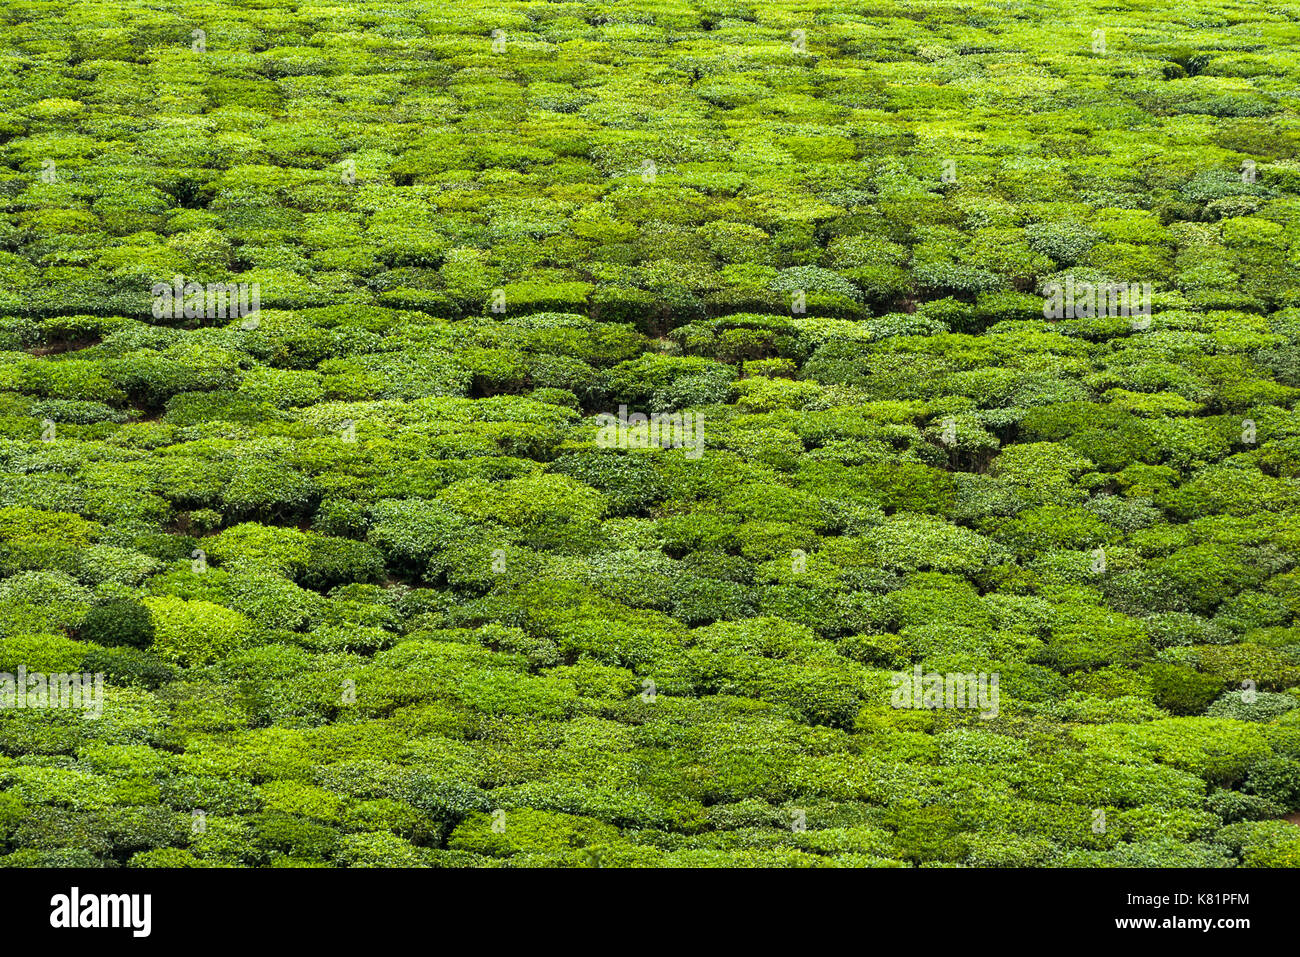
1182	690
1276	780
119	622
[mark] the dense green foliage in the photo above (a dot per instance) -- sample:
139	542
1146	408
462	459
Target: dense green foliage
368	591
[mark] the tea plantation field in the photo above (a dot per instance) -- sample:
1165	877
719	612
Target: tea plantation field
635	434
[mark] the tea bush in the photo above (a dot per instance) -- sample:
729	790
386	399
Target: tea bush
371	583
